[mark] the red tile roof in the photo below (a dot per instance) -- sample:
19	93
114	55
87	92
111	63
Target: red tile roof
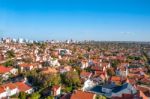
10	85
84	73
4	69
115	78
82	95
26	65
2	90
22	86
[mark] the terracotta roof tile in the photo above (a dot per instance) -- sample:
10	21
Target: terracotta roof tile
82	95
4	69
2	90
22	86
10	85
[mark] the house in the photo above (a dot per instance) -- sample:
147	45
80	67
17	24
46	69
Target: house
88	84
99	77
111	90
65	69
26	66
82	95
52	91
54	62
85	75
144	91
56	90
11	89
49	70
6	71
132	81
116	79
7	90
84	64
106	65
64	52
127	96
23	87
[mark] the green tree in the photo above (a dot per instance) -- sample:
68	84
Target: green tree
51	79
71	79
35	96
22	95
100	97
115	63
43	80
9	63
1	80
10	54
68	89
110	72
50	97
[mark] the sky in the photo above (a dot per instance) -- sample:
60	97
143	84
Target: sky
103	20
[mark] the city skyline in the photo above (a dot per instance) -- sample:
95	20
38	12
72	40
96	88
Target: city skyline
100	20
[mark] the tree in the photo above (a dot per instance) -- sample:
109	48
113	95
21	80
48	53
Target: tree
51	79
35	96
43	80
1	80
9	63
100	97
68	89
50	97
115	63
78	69
22	95
110	72
71	79
10	54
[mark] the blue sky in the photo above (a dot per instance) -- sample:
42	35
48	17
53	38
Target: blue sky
117	20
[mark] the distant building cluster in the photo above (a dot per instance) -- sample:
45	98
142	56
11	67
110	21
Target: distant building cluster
74	70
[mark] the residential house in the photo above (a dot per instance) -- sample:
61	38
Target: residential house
88	84
7	90
49	70
65	69
85	75
26	66
144	92
54	62
84	64
56	90
116	79
6	71
23	87
111	91
82	95
10	89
